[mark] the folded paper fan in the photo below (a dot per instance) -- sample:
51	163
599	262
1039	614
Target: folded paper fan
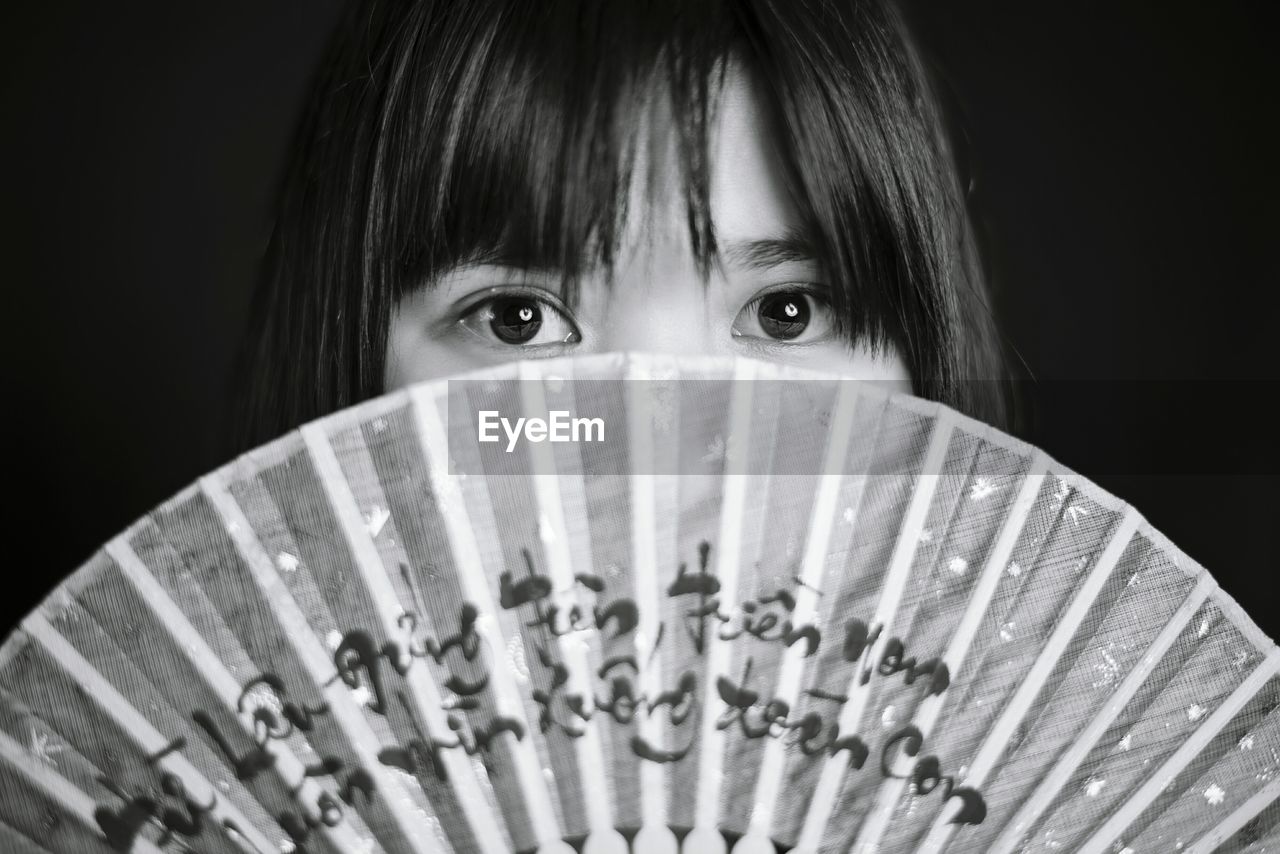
685	604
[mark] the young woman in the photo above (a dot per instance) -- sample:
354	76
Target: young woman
477	182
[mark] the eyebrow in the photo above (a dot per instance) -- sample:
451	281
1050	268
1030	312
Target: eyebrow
503	254
765	254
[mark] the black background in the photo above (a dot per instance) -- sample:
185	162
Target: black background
1123	158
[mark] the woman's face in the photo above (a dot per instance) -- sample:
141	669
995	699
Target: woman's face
765	298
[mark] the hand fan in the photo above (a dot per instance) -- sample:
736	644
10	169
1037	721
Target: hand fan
684	604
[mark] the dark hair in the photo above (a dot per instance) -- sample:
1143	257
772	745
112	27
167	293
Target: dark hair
440	131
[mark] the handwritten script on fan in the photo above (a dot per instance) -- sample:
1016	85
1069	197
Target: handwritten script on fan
376	672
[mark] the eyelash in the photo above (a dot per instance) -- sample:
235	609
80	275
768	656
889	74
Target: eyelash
813	292
817	295
547	302
490	295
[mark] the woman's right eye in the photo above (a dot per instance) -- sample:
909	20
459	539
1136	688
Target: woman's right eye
520	321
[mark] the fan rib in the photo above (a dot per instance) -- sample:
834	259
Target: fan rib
926	717
105	696
406	832
1063	770
285	766
425	696
471	575
555	543
66	795
1238	818
654	835
828	788
997	740
791	672
705	836
1155	783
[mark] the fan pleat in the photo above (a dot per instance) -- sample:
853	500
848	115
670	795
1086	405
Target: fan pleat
1258	834
334	590
1015	710
861	691
864	796
834	506
378	635
696	638
42	804
1187	750
1055	762
393	480
513	533
87	709
474	557
1211	784
599	509
1262	846
691	456
1011	638
645	486
13	841
271	772
768	555
1160	738
342	732
453	790
836	406
952	580
1219	837
809	793
595	791
878	494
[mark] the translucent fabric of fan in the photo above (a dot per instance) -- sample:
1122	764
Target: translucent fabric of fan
764	608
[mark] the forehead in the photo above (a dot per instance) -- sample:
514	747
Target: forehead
748	192
750	197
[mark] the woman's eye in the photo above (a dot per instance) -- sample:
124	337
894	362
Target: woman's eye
520	321
793	315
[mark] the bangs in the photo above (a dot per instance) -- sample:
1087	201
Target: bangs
516	149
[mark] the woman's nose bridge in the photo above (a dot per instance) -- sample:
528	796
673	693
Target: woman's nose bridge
665	314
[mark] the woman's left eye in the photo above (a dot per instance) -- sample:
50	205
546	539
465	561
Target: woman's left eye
520	321
795	315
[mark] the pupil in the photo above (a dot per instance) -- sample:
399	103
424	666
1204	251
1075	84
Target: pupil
516	321
784	315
